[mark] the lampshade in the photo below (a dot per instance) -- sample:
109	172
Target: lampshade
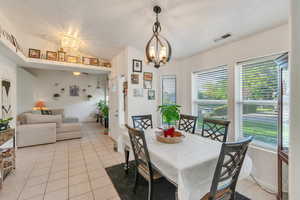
40	104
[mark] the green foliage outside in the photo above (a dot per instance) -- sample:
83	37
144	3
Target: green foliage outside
260	84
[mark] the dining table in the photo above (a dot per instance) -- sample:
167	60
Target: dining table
190	164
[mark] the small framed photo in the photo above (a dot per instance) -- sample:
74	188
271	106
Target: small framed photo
94	61
61	55
86	60
137	65
51	55
34	53
138	92
134	79
151	94
148	76
72	59
147	84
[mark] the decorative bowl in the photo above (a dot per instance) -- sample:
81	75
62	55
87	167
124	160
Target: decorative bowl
170	140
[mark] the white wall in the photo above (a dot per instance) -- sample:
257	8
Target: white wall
141	105
266	43
295	99
8	72
41	86
122	67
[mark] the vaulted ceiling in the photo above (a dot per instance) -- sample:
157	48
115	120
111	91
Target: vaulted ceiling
106	26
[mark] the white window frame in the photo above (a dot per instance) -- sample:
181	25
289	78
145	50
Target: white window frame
196	101
239	102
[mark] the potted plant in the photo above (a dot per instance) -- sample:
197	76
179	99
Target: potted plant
4	123
104	111
170	113
56	96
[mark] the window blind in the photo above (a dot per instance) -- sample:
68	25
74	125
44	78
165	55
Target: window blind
212	85
259	81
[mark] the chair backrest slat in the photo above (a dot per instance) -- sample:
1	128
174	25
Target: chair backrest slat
187	123
142	122
139	147
228	168
215	129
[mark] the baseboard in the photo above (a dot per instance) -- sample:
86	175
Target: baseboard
270	187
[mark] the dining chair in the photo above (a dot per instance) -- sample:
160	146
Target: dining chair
227	171
143	164
187	123
215	129
141	122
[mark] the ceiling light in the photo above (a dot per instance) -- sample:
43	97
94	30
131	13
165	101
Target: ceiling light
70	42
158	49
76	73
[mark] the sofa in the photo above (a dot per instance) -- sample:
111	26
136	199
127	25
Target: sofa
34	128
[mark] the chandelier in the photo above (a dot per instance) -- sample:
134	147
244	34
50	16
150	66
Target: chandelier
158	49
70	42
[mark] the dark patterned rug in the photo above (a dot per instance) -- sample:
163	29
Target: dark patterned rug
163	189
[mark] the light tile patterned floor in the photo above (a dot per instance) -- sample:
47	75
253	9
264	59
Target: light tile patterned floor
75	170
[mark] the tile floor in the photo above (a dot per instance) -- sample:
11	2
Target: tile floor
75	170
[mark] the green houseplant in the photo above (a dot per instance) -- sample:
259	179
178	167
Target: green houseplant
104	110
170	113
4	123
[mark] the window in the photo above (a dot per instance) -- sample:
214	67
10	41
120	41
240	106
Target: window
168	84
257	104
210	94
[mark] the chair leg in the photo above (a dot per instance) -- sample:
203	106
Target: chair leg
126	165
136	182
150	191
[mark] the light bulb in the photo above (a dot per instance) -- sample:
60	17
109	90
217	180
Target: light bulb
152	52
163	53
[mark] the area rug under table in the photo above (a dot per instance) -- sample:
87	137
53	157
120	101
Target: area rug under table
163	189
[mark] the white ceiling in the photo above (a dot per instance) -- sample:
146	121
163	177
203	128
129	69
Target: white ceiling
106	26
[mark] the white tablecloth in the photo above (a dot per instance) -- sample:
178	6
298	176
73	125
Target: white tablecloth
190	164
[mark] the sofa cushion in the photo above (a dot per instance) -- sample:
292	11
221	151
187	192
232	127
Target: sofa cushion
68	127
58	112
38	119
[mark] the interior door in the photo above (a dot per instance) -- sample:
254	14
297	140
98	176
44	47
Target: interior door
116	106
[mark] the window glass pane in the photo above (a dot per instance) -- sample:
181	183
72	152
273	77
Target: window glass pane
216	111
260	121
169	90
260	81
212	85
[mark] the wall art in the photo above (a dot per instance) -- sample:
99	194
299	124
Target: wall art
138	92
137	65
148	76
74	91
34	53
147	84
151	94
134	79
51	55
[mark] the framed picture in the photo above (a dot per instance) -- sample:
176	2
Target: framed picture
151	94
61	56
138	92
72	59
34	53
147	84
51	55
148	76
74	91
86	60
94	61
134	79
137	65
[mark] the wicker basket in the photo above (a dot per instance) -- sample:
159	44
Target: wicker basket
169	140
